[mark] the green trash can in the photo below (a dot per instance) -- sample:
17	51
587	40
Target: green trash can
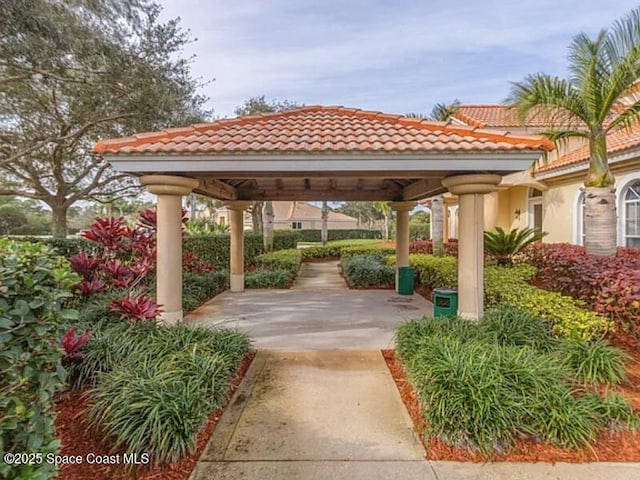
405	280
445	302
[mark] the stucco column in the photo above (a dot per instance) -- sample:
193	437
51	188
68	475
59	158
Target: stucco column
445	223
236	227
402	210
471	190
169	190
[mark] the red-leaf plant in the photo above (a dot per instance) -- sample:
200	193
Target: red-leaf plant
72	344
126	259
136	308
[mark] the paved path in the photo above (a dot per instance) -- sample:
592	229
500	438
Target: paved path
338	415
321	275
334	412
319	313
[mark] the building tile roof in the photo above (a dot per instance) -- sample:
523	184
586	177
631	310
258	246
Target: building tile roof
317	129
504	116
617	141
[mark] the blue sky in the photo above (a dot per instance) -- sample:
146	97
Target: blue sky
396	56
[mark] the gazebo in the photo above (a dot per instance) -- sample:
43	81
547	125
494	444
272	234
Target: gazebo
321	153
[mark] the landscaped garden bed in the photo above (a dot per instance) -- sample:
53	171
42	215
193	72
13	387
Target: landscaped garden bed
83	331
508	389
79	438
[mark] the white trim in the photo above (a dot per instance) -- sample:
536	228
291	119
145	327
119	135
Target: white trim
578	224
382	163
624	183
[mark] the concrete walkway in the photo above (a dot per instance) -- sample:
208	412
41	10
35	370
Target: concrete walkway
318	313
321	275
334	412
338	415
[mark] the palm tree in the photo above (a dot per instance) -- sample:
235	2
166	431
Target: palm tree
385	210
324	232
602	72
437	225
504	246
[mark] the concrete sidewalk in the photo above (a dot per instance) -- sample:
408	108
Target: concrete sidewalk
338	415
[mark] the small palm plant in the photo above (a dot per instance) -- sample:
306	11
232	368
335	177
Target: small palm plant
504	246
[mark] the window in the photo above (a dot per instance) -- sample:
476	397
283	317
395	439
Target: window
631	212
535	209
222	220
296	225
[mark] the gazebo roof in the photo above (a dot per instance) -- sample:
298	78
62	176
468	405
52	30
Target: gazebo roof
317	129
322	153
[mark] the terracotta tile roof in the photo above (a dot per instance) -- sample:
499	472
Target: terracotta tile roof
318	129
503	116
617	141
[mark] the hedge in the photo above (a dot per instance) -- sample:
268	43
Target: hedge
200	287
65	247
509	286
215	249
369	270
346	234
280	260
269	279
285	239
608	285
339	251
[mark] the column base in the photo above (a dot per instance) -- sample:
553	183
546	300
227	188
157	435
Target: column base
171	318
236	281
475	317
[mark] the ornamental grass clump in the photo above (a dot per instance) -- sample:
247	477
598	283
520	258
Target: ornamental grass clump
154	386
594	362
484	385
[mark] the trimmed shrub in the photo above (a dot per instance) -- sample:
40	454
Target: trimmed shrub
594	362
327	252
289	259
365	271
285	239
350	251
34	283
508	286
65	247
311	235
610	286
215	249
269	279
421	246
198	288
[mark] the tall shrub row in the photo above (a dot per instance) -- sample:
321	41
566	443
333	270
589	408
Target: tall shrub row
509	286
610	286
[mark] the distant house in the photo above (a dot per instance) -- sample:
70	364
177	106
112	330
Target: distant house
296	216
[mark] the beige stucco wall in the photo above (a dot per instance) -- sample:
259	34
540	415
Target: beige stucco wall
559	213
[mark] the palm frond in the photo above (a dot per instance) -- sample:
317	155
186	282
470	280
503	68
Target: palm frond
504	246
442	111
589	70
553	97
561	137
627	119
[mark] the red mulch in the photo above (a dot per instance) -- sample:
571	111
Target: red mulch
610	446
78	439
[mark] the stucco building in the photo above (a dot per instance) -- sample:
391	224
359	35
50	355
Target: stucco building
293	215
550	195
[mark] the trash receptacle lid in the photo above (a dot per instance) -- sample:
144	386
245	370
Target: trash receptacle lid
445	291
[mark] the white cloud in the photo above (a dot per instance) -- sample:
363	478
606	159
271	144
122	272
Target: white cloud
357	51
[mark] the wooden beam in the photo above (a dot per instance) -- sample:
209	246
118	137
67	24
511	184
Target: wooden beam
325	194
422	189
307	184
216	189
333	184
279	184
